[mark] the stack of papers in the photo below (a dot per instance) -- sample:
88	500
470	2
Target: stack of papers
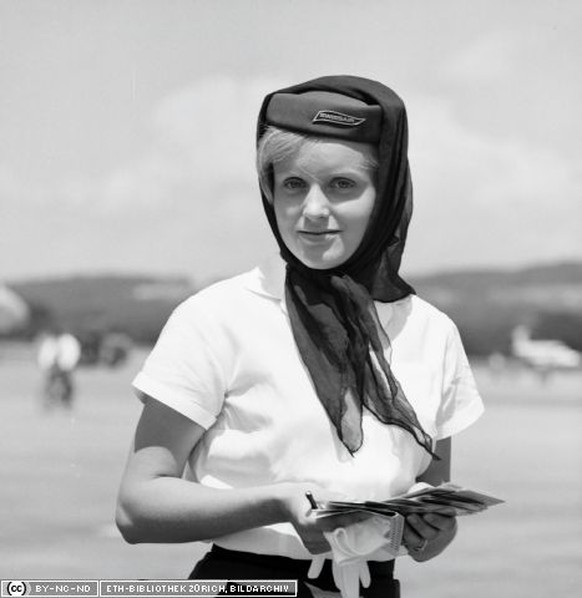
448	499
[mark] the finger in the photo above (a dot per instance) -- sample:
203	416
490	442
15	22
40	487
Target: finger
411	539
445	512
365	578
421	528
316	567
440	522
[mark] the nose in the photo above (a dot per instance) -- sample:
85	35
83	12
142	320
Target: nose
316	204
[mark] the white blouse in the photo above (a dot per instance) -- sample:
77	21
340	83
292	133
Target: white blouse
227	360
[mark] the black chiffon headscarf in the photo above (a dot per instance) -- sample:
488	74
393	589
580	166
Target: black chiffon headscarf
332	313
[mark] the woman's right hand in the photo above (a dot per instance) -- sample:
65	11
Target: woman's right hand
298	511
157	505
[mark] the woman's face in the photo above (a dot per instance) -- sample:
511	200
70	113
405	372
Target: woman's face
323	196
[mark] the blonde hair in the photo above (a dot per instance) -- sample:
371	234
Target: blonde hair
276	145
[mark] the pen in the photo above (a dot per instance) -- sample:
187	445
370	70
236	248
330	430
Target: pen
311	500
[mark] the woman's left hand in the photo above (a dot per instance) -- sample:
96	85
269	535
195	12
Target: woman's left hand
426	536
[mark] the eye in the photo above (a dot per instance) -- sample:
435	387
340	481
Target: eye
294	184
342	184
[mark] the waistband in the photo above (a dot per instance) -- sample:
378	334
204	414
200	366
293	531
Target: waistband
223	563
286	563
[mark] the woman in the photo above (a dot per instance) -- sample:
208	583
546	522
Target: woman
318	372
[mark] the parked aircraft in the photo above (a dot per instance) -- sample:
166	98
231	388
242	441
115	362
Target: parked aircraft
544	356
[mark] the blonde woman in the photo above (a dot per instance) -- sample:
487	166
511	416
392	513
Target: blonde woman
319	371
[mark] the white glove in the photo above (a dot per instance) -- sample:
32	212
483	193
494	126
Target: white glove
347	576
359	540
350	548
316	566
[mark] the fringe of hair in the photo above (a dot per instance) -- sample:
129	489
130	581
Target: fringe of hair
276	145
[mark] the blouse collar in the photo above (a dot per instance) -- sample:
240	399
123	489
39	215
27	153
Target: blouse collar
268	280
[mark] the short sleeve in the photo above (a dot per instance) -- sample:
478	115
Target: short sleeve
461	404
186	369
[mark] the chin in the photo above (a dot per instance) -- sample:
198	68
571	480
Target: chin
324	263
320	258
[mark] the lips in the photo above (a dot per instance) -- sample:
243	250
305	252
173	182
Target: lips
318	237
317	233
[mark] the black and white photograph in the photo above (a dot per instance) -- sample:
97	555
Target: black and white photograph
290	298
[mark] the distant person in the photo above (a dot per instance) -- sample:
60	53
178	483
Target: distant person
59	353
91	342
318	372
115	348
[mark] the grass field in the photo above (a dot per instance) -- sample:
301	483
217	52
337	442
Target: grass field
59	474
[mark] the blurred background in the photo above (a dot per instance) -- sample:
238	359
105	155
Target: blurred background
127	183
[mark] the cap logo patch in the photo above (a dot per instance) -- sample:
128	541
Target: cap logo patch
331	117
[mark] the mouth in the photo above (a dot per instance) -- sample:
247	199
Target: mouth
319	236
319	233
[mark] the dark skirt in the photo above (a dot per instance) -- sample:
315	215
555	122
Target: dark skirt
224	564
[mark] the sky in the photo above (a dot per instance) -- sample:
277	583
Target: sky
127	127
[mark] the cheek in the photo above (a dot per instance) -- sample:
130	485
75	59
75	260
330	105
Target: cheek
280	214
285	218
362	213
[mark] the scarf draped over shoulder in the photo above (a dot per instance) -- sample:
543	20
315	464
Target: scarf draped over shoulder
332	313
